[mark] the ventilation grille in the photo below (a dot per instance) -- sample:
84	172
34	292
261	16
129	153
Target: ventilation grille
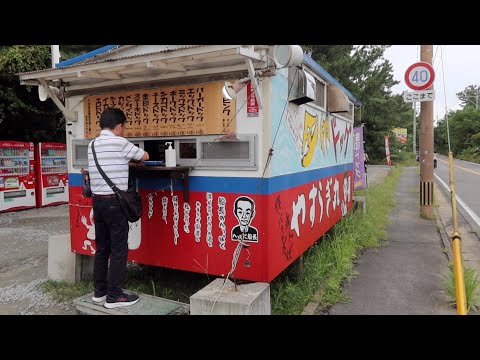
235	150
81	152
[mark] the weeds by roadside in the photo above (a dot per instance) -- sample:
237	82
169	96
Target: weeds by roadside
472	287
329	262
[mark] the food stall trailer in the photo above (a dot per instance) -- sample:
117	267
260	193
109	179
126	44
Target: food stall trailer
263	137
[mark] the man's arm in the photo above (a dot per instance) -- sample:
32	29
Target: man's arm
145	156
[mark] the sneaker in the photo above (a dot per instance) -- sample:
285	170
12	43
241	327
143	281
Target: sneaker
122	300
98	297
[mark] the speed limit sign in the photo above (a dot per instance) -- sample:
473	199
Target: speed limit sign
419	76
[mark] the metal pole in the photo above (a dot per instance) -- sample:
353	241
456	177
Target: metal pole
426	145
414	129
55	53
457	247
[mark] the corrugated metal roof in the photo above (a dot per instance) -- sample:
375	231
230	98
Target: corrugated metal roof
89	58
88	55
119	58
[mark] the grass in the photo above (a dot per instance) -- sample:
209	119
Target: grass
327	264
166	283
472	290
330	261
62	291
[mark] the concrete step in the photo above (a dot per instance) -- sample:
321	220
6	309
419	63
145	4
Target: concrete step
147	305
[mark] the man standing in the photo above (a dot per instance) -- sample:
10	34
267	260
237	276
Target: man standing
113	153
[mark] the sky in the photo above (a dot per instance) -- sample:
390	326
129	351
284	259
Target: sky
461	67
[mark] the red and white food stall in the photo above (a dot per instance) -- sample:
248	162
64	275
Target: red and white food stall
259	177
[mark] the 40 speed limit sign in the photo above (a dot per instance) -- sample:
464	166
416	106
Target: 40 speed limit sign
419	76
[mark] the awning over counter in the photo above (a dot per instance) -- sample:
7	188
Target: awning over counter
160	63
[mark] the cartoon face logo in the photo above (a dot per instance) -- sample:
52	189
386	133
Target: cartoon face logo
310	138
244	210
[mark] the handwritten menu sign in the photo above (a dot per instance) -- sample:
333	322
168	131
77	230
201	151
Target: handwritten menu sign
198	109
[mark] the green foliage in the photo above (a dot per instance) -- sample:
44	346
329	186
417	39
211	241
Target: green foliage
23	117
469	97
472	293
69	51
23	58
464	126
62	291
369	77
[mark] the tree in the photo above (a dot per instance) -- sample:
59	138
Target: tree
23	117
369	77
470	96
464	128
69	51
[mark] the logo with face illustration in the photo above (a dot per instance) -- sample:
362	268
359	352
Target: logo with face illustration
244	210
310	138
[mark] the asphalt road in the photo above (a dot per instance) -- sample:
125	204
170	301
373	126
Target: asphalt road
467	189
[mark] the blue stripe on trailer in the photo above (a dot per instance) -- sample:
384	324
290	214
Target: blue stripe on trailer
225	184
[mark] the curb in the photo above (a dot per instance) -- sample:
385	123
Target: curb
440	224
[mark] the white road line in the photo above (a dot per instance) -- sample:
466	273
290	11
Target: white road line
460	201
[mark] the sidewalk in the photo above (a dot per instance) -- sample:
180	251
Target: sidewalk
405	276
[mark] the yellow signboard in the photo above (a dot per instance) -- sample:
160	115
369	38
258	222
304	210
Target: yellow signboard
197	109
400	134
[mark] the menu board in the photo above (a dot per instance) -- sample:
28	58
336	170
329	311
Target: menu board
197	109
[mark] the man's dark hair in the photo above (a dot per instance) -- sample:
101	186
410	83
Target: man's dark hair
243	198
111	117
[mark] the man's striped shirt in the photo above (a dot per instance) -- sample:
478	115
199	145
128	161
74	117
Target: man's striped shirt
113	154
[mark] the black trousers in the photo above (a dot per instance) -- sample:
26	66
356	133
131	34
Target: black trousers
111	236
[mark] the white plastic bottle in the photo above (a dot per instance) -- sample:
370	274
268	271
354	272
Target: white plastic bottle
170	156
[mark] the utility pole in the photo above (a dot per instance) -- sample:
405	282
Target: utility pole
426	145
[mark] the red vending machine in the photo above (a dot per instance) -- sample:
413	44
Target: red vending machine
17	175
51	174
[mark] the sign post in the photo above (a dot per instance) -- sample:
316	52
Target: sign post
419	77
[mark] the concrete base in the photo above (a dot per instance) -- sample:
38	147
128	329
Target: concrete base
63	264
61	260
217	299
147	305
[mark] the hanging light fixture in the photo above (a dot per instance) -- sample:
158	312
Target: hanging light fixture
230	90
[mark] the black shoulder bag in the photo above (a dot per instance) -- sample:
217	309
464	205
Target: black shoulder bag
130	200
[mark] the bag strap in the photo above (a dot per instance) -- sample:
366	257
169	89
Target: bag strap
100	170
